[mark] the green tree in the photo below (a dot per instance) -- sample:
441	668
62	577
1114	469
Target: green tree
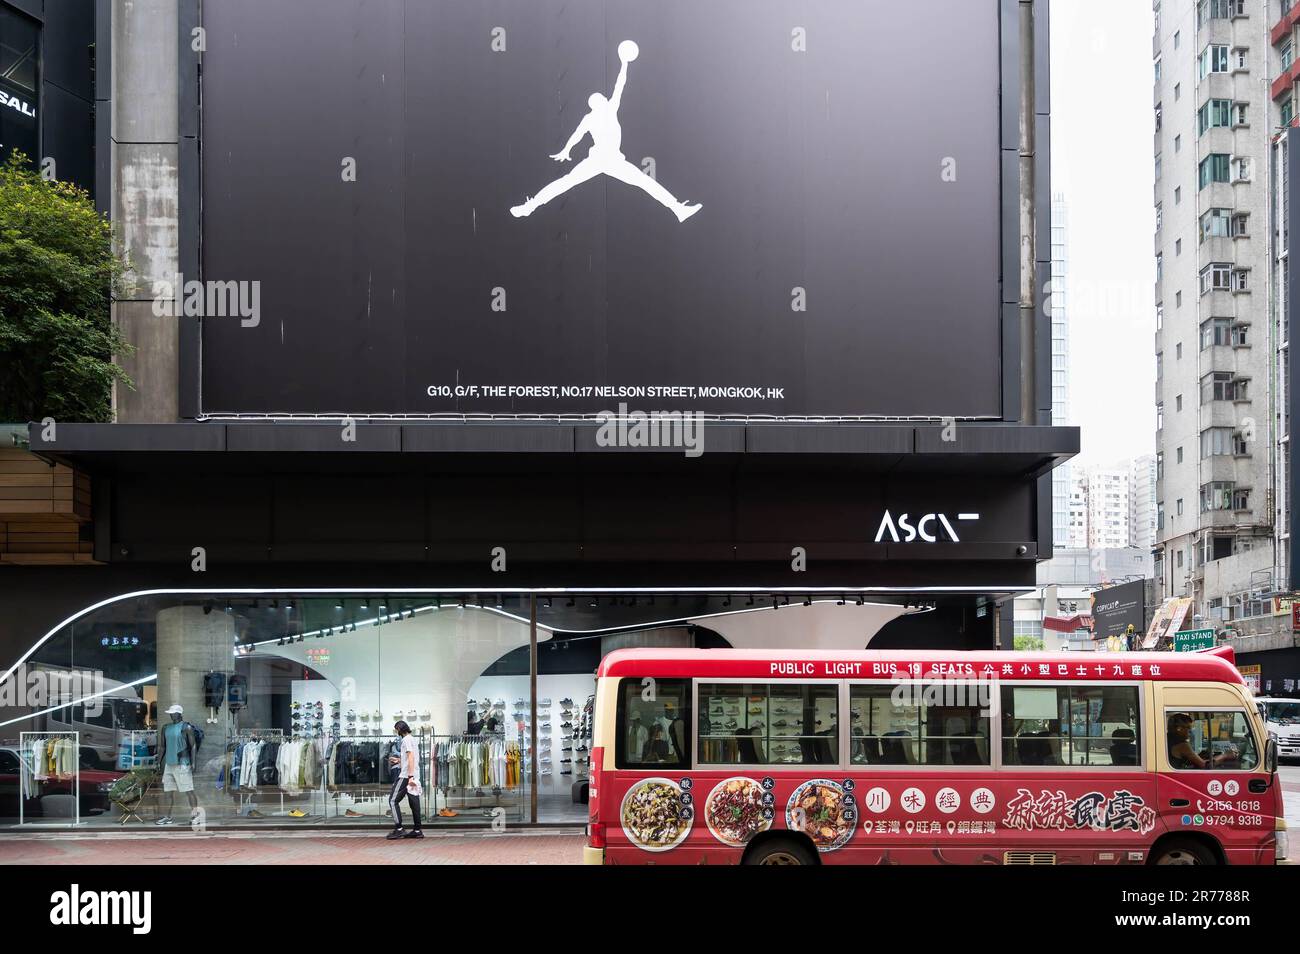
1027	644
57	273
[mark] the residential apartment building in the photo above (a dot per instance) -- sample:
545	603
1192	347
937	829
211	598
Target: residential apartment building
1142	502
1061	476
1108	507
1215	480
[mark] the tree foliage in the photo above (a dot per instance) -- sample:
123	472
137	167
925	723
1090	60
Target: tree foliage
57	273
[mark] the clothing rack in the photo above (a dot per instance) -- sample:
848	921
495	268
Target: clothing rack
253	735
381	787
476	738
27	770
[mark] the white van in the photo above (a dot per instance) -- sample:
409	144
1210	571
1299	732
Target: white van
1283	719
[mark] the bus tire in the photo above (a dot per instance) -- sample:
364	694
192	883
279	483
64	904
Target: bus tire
1183	851
780	851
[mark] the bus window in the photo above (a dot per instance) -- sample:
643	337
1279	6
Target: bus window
762	724
1086	726
653	719
935	724
1214	740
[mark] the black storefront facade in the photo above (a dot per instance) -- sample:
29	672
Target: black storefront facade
407	512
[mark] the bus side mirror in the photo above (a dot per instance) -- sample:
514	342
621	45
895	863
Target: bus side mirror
1270	757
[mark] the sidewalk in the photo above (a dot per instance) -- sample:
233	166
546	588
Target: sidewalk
250	848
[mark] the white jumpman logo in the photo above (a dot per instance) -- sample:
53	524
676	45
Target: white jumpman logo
601	122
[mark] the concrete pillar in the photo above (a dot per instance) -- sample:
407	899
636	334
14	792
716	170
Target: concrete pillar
144	162
192	643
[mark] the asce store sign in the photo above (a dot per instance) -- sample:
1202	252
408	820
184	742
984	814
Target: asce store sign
550	206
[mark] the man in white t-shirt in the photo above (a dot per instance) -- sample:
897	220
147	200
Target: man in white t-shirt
407	785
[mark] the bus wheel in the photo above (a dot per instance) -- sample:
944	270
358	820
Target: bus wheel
781	851
1183	851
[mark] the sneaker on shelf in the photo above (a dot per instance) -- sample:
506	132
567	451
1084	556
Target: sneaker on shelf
755	710
566	702
353	813
544	702
297	813
731	724
164	821
254	813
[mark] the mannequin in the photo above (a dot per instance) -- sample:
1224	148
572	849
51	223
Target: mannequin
177	747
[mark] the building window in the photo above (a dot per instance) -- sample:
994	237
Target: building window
1216	223
1160	465
1160	416
1178	409
1240	110
1241	56
1178	247
1178	507
1216	332
1213	59
1241	225
1159	116
1160	316
1241	169
1178	195
1178	299
1241	500
1178	39
1157	69
1160	215
1222	386
1288	111
1216	276
1178	351
1287	52
1239	447
1157	167
1239	336
1160	365
1178	454
1160	515
1216	495
1160	266
1215	167
1217	112
1216	442
1241	279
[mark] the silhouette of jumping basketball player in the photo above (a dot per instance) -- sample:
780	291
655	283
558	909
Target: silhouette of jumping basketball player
601	122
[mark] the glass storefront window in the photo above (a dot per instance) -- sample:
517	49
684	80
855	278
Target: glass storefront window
287	711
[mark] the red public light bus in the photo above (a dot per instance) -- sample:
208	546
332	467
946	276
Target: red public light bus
896	757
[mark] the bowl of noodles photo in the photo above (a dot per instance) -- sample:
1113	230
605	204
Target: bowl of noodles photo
818	810
653	816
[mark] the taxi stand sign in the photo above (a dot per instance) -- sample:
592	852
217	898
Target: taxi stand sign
1193	639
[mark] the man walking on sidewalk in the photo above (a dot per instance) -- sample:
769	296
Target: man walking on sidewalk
406	786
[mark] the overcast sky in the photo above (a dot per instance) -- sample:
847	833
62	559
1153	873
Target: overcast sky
1102	164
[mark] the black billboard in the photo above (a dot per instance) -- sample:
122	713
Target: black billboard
741	207
1115	608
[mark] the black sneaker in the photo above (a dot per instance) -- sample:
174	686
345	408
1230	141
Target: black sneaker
395	834
414	834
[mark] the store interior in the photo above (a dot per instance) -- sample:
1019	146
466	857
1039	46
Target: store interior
294	699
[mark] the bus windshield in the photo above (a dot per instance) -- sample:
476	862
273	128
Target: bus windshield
1284	713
